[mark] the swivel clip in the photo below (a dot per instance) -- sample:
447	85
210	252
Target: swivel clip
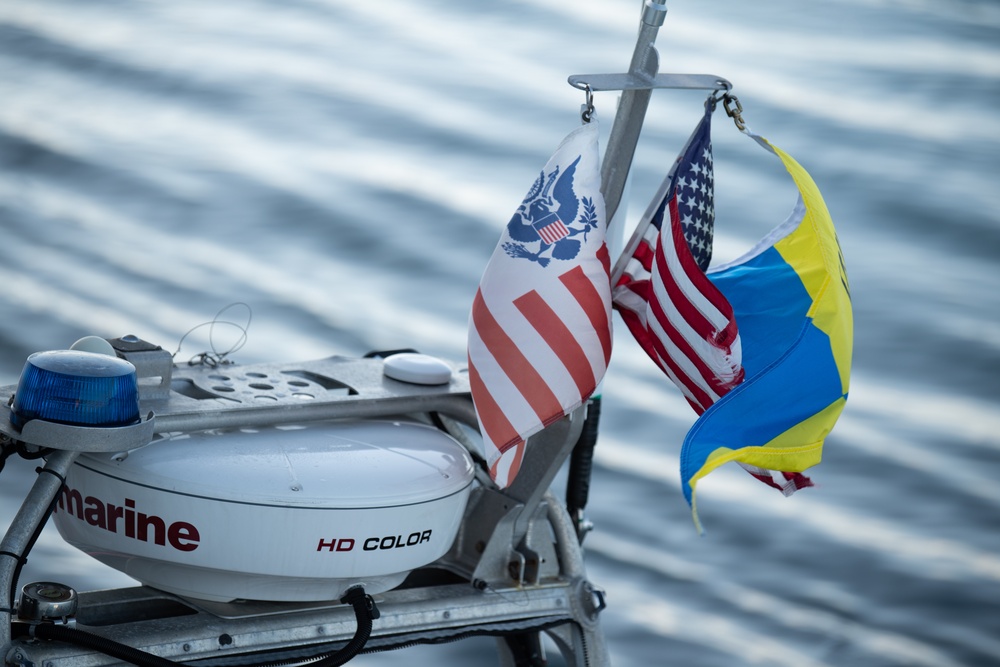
734	110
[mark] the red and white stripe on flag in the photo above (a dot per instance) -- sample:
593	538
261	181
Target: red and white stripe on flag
678	316
540	327
786	482
554	231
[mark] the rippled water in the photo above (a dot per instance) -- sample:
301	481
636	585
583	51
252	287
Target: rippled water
346	168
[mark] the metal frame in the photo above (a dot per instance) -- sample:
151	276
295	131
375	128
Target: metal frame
637	87
515	566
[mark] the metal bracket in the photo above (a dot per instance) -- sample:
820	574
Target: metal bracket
637	81
44	434
735	112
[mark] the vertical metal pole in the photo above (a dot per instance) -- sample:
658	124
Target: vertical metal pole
631	109
34	511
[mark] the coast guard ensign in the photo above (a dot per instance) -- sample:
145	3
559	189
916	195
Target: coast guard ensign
548	217
540	326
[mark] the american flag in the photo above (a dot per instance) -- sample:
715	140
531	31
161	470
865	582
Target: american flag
786	482
540	327
677	315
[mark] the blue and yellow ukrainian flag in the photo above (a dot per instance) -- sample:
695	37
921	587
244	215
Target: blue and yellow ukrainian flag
793	308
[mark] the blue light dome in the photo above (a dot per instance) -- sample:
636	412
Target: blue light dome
76	388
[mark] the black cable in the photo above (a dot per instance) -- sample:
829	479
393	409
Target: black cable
96	642
7	449
19	562
581	464
23	557
29	454
364	610
526	649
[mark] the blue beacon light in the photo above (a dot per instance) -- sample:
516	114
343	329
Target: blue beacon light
78	388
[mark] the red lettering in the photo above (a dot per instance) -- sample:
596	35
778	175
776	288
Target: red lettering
94	514
114	513
343	544
129	517
70	499
183	536
159	529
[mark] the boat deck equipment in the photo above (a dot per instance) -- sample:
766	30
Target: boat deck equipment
381	531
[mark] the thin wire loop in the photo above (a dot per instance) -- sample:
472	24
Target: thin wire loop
213	357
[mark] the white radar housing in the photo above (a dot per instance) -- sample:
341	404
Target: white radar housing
281	513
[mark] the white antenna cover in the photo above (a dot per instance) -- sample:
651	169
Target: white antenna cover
278	513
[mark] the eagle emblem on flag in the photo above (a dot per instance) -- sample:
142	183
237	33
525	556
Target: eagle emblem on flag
545	226
540	330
